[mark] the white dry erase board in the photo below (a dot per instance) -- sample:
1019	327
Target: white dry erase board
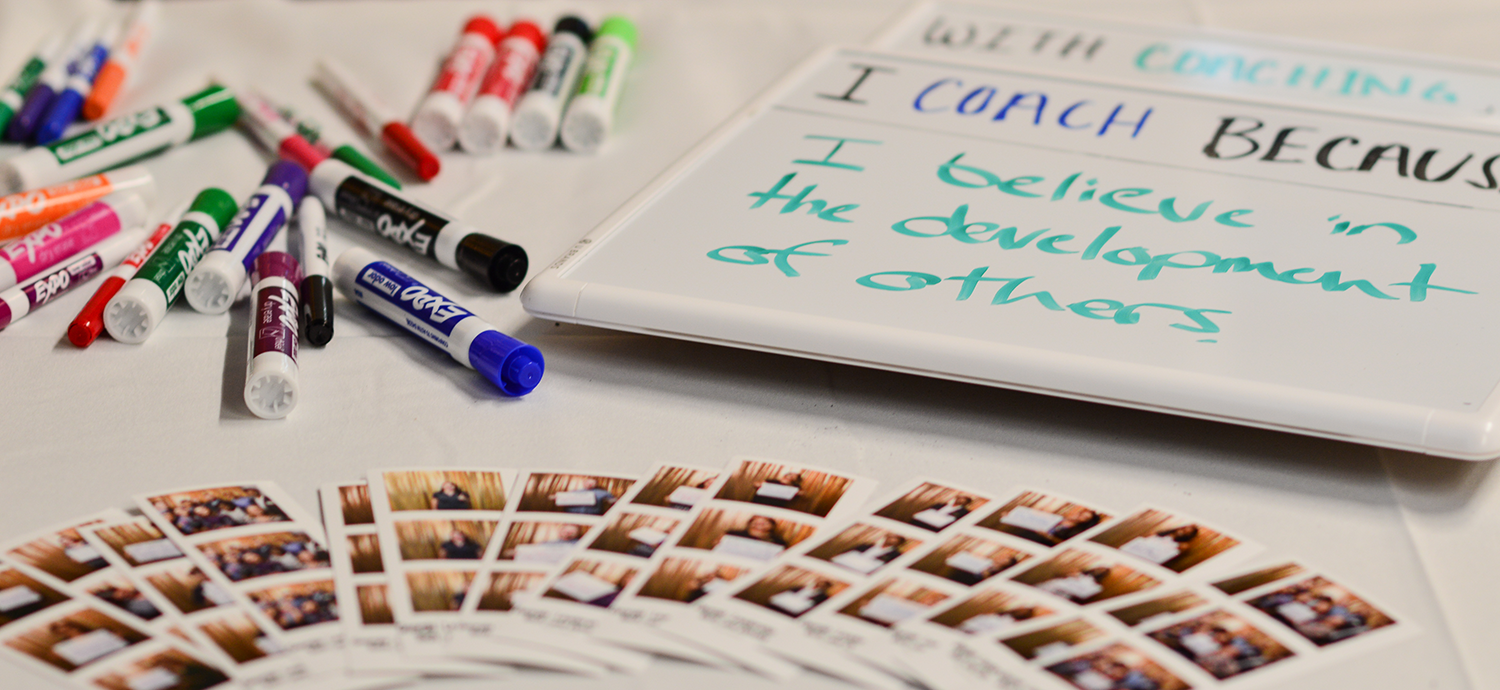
1314	271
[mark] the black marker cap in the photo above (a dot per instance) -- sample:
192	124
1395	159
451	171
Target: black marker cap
575	26
497	262
317	310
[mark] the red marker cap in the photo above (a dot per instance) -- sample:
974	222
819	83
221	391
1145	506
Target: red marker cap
484	26
526	29
297	150
410	150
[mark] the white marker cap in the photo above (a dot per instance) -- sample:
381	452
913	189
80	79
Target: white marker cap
271	385
134	312
215	282
130	206
587	124
484	127
436	121
534	125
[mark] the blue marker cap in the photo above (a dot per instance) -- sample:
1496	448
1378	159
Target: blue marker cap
511	364
288	176
30	116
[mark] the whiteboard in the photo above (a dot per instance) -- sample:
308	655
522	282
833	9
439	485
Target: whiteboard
1306	294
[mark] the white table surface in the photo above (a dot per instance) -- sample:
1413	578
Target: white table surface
86	429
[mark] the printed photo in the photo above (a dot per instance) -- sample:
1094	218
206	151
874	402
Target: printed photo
894	601
298	605
364	554
1116	667
991	612
1222	644
742	534
439	590
679	488
374	604
1147	611
246	558
1084	578
138	542
21	596
634	534
118	591
688	580
932	507
64	555
579	494
188	588
240	637
1321	611
970	560
76	640
355	503
792	591
459	540
545	543
784	486
863	549
445	490
1172	542
1053	641
595	583
503	586
206	510
1265	576
166	670
1046	520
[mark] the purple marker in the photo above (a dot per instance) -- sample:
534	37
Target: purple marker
54	79
66	105
271	369
216	281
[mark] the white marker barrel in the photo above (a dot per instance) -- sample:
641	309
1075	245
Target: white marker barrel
592	112
535	122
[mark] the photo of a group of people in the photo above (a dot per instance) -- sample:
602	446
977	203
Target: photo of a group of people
207	510
1321	611
250	557
297	605
1116	667
1222	643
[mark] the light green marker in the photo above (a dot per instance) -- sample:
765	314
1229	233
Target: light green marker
592	111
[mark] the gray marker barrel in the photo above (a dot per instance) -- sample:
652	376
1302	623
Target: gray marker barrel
271	355
538	115
134	312
370	204
510	364
216	281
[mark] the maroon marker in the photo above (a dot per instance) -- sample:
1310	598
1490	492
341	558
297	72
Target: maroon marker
271	372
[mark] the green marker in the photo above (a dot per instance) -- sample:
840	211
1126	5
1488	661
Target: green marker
143	301
592	111
121	140
15	92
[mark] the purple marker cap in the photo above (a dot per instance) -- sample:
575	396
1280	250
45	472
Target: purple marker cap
288	176
277	265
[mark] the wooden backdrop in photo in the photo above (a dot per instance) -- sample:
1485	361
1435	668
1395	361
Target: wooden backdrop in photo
667	480
1150	522
995	552
713	524
374	604
355	502
1072	632
923	497
856	536
1178	602
1120	580
364	554
48	597
676	578
539	487
784	579
48	555
120	536
616	535
1264	576
413	490
191	673
537	533
901	589
819	491
438	590
1045	504
236	635
423	539
994	602
178	584
503	585
39	641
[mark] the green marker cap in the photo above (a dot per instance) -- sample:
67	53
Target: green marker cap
620	27
214	109
217	203
358	161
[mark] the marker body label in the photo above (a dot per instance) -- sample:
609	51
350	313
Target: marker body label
465	67
604	59
252	229
404	300
169	266
53	243
552	72
375	209
116	133
512	70
26	209
275	321
46	288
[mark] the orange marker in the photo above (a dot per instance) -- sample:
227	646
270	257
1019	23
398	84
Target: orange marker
23	212
123	58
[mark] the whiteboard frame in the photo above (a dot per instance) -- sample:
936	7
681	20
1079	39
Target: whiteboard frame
552	296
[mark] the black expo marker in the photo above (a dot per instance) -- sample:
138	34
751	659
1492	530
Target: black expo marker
372	205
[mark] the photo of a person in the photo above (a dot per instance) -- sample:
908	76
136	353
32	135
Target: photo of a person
21	596
743	534
678	488
1321	611
444	490
759	529
863	548
503	585
970	560
1043	519
932	507
634	534
792	591
1222	644
463	540
450	496
778	491
166	670
1052	641
541	542
784	486
126	597
458	546
1146	611
990	612
298	605
688	580
207	510
577	494
595	583
246	558
1163	539
239	637
1083	578
76	640
64	555
886	550
438	590
138	542
894	601
1116	667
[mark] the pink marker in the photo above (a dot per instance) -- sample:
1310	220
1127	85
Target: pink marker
39	251
272	131
90	321
76	270
437	117
487	123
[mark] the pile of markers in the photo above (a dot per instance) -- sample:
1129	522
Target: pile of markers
74	212
759	566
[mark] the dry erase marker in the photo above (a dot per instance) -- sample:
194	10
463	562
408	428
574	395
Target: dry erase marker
54	78
15	92
271	353
89	323
540	111
510	364
23	212
592	111
436	120
268	128
216	281
362	201
488	121
374	119
121	140
311	247
138	307
313	133
124	57
39	250
68	102
77	270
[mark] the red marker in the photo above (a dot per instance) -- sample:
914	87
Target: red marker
259	116
374	119
487	123
437	117
90	322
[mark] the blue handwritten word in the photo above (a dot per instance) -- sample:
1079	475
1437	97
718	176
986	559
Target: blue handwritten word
1163	58
1100	309
795	202
944	94
756	256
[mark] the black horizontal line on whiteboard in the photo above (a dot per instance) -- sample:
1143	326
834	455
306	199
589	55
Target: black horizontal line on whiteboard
1094	154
